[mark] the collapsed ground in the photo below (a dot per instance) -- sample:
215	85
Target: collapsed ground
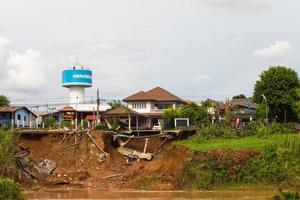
267	156
84	165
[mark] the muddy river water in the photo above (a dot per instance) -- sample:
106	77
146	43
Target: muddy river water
96	194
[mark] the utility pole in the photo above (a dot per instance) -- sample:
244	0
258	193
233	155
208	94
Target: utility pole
76	115
285	116
98	105
265	98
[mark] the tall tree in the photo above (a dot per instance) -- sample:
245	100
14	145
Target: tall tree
115	104
240	96
279	85
4	101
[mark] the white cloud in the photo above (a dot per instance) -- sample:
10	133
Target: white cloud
201	78
23	72
4	52
257	4
277	50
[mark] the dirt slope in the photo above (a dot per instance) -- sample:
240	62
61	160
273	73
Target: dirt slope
84	165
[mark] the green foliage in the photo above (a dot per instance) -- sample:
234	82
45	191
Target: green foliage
9	190
102	126
196	114
116	104
50	122
169	116
66	124
85	123
7	161
279	85
260	113
214	131
276	163
244	143
4	101
262	130
286	196
240	96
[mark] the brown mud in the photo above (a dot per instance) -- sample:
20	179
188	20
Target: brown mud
84	165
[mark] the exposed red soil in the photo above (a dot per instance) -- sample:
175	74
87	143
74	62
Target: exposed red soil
85	166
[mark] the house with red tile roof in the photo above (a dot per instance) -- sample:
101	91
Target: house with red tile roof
150	105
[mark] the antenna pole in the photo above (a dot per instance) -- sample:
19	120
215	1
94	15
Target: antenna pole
98	105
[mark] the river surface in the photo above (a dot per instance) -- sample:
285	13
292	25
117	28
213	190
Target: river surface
149	195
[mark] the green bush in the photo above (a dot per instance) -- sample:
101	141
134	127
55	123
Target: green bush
169	117
262	130
9	190
85	123
286	196
7	161
277	164
50	122
102	126
196	114
66	124
214	131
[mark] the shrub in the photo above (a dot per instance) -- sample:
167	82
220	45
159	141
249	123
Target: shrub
7	161
10	190
169	116
102	126
50	122
214	131
66	124
266	130
277	164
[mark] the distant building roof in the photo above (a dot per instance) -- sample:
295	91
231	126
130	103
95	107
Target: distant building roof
7	109
10	108
243	102
121	111
84	108
67	109
155	94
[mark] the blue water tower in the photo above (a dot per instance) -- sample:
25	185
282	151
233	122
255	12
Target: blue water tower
76	79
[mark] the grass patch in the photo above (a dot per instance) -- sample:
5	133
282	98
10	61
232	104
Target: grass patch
243	143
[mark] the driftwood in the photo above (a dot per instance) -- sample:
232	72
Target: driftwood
97	145
130	152
146	144
159	146
72	145
111	176
63	139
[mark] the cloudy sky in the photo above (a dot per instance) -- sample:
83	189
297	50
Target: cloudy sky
194	48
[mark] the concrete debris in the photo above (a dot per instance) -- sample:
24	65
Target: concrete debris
45	166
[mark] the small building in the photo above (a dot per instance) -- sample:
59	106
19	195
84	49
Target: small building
80	112
150	106
244	109
18	116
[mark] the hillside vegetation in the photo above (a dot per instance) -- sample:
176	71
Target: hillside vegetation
263	155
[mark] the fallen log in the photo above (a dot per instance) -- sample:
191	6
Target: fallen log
130	152
97	145
72	145
111	176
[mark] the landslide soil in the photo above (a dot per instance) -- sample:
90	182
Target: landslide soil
84	165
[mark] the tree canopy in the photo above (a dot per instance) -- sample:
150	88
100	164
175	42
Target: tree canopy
240	96
279	85
196	114
4	101
116	104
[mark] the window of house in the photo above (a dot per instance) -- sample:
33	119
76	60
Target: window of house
19	117
24	118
